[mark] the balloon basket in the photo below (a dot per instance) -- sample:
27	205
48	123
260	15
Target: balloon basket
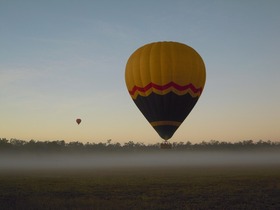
166	145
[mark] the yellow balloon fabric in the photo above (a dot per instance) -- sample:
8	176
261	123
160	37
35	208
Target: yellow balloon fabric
165	80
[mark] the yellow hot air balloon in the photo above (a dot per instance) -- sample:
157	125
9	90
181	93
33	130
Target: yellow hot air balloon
165	80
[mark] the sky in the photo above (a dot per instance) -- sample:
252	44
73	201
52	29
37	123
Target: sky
65	59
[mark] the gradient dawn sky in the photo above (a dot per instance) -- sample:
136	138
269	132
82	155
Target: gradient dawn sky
65	59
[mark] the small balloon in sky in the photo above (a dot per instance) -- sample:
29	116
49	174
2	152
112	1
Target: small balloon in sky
165	80
78	121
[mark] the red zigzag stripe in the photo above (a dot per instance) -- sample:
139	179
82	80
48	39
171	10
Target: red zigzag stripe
164	87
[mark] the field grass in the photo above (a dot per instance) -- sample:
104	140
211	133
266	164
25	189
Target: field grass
143	188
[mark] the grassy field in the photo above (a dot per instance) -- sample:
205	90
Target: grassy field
143	188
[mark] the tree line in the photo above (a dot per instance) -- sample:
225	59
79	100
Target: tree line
17	145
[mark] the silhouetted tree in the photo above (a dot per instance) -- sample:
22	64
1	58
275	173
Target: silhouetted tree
76	146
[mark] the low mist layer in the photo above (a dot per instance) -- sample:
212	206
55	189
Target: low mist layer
120	160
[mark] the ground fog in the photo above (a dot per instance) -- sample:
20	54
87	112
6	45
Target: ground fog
119	160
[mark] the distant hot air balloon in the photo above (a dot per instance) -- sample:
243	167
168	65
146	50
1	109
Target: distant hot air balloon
165	80
78	121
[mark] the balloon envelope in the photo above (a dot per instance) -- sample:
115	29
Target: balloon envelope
165	80
78	121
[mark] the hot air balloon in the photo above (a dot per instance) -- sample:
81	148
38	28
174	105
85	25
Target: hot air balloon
165	80
78	121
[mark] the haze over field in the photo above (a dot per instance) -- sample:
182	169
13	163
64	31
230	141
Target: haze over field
135	160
